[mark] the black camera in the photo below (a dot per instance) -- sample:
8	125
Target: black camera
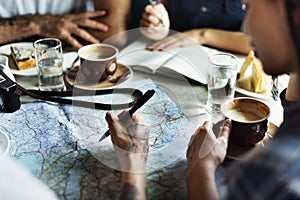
9	99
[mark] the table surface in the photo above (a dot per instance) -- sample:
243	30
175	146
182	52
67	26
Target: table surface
81	170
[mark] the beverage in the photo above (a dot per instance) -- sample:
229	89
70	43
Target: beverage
221	87
50	74
242	115
221	79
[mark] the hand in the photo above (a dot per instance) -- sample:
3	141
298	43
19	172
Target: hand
65	27
185	38
130	139
205	150
204	154
155	22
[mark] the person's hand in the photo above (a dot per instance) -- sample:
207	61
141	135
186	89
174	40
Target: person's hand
155	22
205	150
65	27
130	138
186	38
204	154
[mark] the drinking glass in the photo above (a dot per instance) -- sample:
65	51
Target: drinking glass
49	58
221	81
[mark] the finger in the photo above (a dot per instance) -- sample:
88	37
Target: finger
163	44
94	14
225	130
72	41
208	125
93	24
85	35
112	120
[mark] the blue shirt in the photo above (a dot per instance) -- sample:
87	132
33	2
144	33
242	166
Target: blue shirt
219	14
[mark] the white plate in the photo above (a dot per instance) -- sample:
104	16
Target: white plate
6	50
4	143
282	84
68	58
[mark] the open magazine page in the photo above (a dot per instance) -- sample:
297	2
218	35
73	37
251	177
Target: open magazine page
190	61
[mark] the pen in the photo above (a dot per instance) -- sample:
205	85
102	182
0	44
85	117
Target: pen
134	108
153	3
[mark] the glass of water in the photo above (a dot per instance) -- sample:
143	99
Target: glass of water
48	56
221	81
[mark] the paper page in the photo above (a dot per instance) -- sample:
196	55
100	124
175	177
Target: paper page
136	54
190	61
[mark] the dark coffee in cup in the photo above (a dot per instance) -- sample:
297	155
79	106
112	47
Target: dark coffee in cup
97	62
249	120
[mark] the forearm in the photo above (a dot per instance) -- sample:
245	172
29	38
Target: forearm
117	19
201	184
133	186
17	28
237	42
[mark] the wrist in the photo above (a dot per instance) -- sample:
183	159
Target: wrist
201	169
202	36
31	22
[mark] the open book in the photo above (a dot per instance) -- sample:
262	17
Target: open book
190	61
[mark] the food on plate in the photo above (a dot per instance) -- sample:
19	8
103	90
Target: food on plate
252	77
23	57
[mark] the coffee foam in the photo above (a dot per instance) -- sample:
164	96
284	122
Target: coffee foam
97	53
242	115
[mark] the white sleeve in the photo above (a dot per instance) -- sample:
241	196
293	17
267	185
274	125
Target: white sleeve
17	183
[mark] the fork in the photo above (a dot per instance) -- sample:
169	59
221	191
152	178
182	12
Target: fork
274	89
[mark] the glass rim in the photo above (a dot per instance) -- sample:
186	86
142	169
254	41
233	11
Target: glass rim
39	41
223	64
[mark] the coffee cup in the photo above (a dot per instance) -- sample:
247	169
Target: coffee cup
97	63
249	118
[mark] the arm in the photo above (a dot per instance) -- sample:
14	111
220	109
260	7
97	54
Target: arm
117	19
204	154
232	41
237	42
130	139
68	28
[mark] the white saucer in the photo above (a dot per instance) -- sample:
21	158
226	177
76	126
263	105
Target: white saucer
68	58
4	144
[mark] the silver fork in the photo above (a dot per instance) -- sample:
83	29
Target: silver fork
274	90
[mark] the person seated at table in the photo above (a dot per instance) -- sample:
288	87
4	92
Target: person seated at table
72	21
130	140
268	173
212	23
274	171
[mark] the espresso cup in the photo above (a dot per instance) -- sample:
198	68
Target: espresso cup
249	118
97	63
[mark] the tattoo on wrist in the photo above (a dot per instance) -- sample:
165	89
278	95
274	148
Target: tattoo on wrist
128	192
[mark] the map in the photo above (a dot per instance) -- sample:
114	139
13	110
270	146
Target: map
59	145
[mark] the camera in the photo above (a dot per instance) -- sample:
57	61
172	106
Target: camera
9	99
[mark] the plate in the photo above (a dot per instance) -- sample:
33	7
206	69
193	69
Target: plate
122	75
5	50
282	84
236	152
4	144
